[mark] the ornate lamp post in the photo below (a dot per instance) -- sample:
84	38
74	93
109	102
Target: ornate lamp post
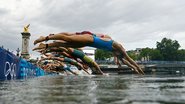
25	43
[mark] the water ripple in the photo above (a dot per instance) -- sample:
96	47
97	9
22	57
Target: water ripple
115	89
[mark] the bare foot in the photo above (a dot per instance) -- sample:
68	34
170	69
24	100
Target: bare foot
40	39
41	46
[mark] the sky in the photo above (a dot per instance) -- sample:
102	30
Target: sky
133	23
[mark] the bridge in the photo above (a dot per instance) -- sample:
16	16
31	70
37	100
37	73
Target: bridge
168	67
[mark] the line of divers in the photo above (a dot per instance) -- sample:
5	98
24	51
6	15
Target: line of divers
65	48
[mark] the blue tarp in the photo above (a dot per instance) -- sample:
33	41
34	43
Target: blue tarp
13	67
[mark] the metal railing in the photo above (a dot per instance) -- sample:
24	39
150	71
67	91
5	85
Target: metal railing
142	62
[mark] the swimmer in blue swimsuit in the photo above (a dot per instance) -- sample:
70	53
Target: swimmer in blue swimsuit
77	41
102	44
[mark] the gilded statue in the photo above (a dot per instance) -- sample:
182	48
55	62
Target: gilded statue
26	28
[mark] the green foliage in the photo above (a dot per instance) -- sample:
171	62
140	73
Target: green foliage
181	55
132	55
153	54
168	48
145	52
102	55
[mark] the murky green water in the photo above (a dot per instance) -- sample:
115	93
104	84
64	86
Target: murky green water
113	89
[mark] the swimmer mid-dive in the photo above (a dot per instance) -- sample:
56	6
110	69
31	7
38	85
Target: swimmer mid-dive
78	55
77	41
60	67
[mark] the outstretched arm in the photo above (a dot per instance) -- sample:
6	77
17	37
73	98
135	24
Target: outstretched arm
97	68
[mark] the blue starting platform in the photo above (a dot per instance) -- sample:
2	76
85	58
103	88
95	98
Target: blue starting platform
13	67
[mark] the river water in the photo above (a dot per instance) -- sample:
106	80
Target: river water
112	89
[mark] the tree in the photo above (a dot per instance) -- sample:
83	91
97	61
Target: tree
145	52
102	55
168	48
181	55
153	54
132	55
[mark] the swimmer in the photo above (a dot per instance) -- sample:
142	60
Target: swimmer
86	61
61	65
77	41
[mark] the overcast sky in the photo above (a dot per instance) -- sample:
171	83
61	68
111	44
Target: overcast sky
133	23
